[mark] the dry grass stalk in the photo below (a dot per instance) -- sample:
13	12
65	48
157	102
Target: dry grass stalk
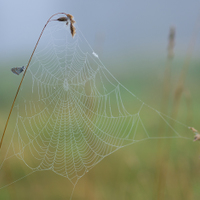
176	102
49	20
180	88
167	74
162	156
188	98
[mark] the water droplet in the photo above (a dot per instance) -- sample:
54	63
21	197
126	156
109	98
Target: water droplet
65	85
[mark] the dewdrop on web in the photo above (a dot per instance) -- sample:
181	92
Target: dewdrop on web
94	54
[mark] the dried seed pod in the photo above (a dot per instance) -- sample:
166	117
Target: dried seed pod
71	18
62	19
68	19
72	27
171	43
197	135
193	129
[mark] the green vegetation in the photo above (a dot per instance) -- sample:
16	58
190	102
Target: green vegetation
152	169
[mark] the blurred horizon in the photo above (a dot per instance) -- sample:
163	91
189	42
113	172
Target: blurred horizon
132	28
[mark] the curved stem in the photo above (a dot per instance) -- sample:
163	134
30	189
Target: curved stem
25	74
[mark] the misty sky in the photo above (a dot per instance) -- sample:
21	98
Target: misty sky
127	26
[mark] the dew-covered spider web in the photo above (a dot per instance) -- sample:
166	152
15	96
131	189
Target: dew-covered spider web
71	112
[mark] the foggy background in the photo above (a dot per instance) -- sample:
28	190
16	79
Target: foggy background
131	39
123	27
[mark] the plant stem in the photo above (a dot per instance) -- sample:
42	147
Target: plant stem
24	76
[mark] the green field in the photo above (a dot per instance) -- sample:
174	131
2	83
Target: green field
152	169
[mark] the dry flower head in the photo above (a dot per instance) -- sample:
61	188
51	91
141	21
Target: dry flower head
171	42
72	27
62	19
197	135
72	21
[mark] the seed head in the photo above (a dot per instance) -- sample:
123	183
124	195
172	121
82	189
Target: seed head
68	19
72	27
197	135
62	19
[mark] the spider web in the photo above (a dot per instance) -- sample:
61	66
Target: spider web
71	112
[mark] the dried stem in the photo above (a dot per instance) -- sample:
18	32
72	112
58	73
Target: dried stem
180	88
26	71
167	74
163	159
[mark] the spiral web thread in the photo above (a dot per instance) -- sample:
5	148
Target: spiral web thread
71	112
